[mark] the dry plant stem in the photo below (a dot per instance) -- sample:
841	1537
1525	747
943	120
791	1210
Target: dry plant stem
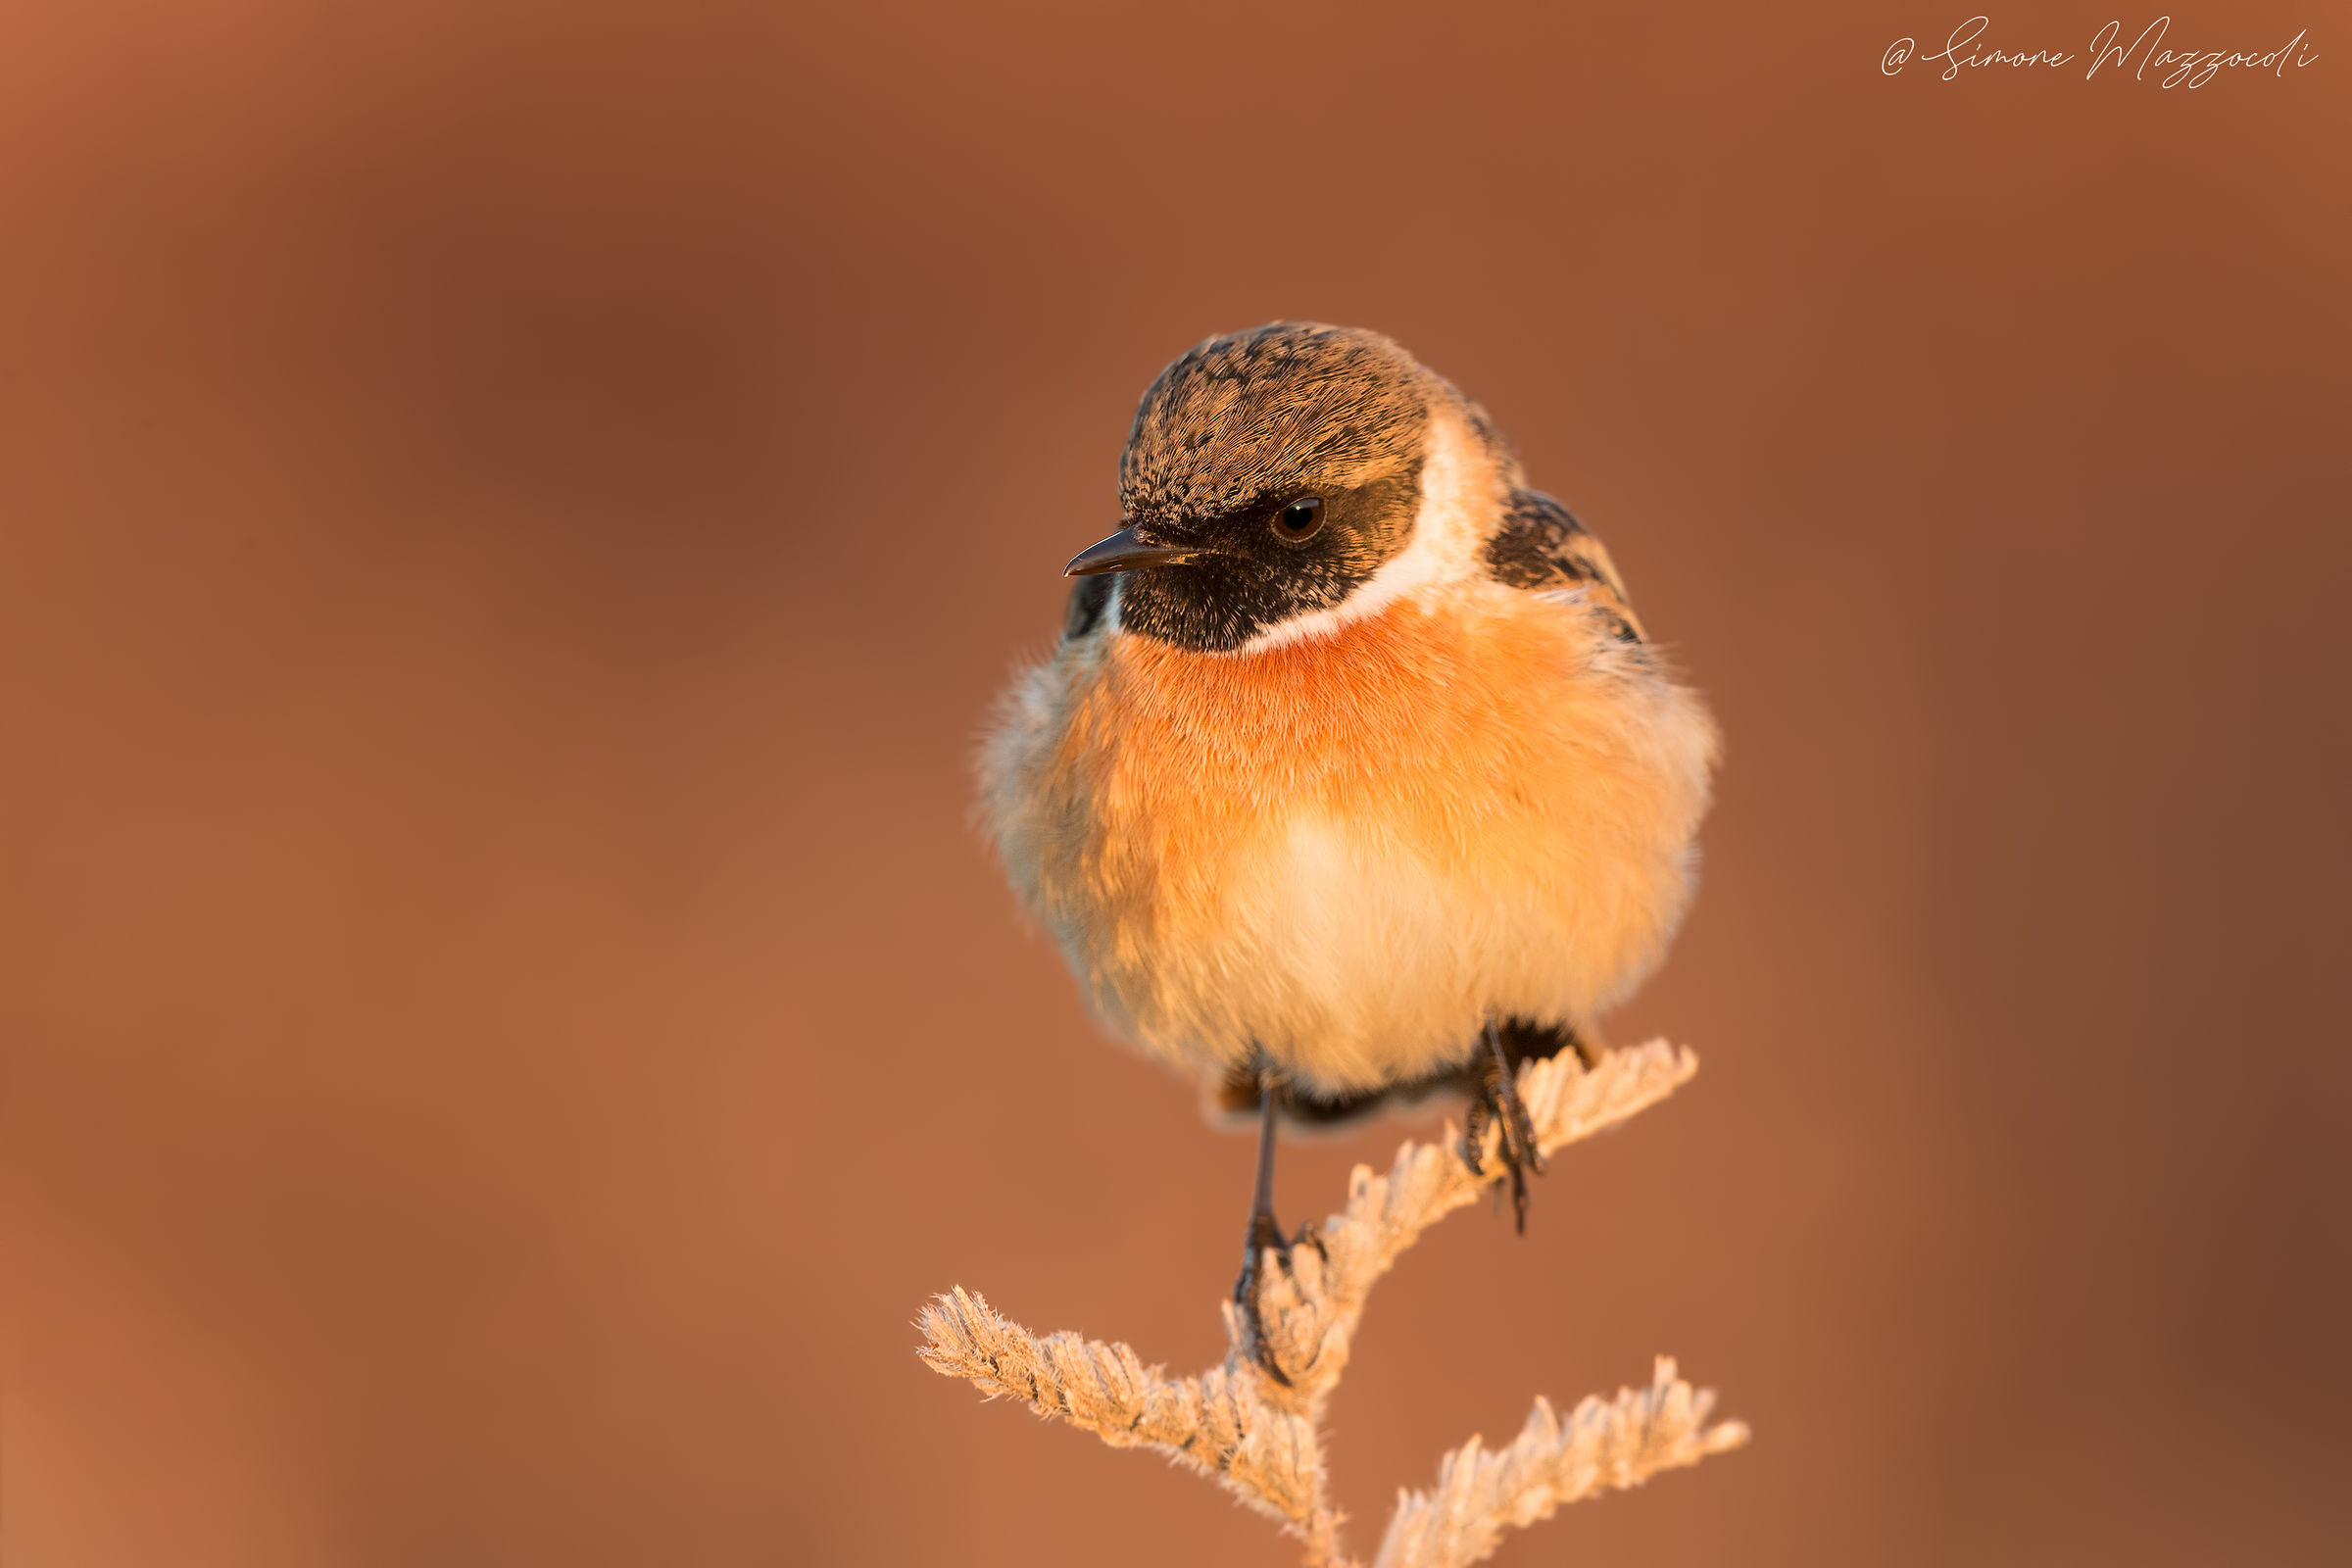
1263	1441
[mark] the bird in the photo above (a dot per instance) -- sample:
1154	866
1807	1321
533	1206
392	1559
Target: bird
1354	777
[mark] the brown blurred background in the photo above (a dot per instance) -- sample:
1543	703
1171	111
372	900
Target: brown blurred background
514	517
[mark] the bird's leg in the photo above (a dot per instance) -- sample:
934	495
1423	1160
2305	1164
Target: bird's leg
1265	1233
1474	1132
1518	1127
1499	1096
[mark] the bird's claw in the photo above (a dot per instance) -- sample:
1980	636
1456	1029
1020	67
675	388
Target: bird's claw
1266	1238
1497	1101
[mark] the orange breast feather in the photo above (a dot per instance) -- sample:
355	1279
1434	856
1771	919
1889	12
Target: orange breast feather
1478	735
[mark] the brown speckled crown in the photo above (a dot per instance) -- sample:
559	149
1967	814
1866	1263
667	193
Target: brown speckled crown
1271	408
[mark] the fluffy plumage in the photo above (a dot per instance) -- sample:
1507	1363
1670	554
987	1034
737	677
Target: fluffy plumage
1333	806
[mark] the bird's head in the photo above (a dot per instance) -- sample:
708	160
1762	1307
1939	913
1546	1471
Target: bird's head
1281	478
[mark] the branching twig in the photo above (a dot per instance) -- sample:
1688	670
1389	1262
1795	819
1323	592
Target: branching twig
1603	1444
1263	1440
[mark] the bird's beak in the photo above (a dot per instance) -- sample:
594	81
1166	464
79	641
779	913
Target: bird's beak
1125	551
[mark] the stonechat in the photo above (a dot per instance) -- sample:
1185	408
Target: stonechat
1354	776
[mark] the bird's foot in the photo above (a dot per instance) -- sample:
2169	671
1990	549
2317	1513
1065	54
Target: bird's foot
1268	1244
1497	1101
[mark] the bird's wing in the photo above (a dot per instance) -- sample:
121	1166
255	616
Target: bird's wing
1541	548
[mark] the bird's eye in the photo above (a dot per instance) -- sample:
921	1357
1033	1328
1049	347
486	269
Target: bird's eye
1298	522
